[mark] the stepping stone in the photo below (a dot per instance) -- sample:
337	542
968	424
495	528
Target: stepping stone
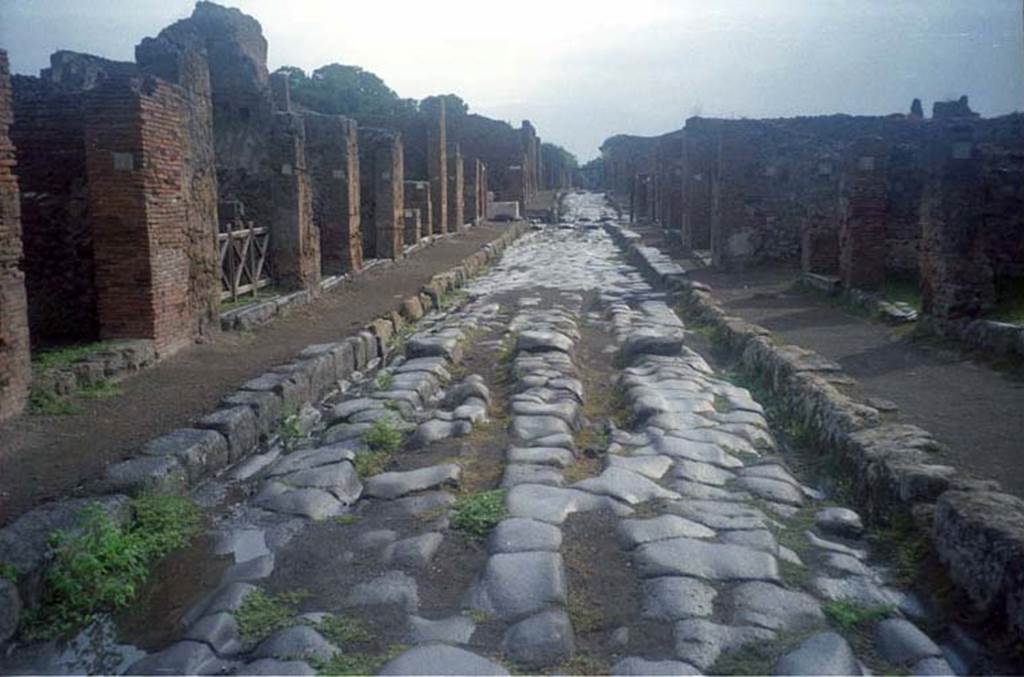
720	514
340	479
416	551
775	608
393	587
219	630
446	346
700	642
390	485
772	490
640	666
527	428
625	485
521	473
633	532
473	410
437	366
516	584
296	642
673	598
181	658
541	640
306	459
705	473
554	504
454	629
712	561
272	666
841	522
652	342
901	642
543	341
826	653
516	534
653	467
440	659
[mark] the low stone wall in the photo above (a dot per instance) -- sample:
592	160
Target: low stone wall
111	362
977	531
185	457
1000	339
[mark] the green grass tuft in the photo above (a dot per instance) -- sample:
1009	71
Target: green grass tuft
476	514
47	404
383	436
101	390
60	357
847	615
384	380
342	631
262	614
372	463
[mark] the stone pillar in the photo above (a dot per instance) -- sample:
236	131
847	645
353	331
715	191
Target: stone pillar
136	156
957	277
484	192
15	369
473	203
456	199
413	228
294	239
389	204
437	166
698	167
332	158
863	209
819	233
417	197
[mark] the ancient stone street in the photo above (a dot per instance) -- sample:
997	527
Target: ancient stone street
645	517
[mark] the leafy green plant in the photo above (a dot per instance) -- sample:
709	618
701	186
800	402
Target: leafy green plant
848	615
343	631
290	432
45	403
372	462
262	614
384	380
383	436
100	565
478	513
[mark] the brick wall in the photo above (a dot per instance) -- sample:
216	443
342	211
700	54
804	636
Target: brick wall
332	158
382	195
294	238
456	195
15	371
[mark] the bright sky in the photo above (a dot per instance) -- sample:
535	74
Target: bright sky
584	70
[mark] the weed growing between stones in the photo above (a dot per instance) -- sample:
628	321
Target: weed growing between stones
476	514
348	663
45	403
262	614
345	519
100	566
903	545
290	432
101	390
60	357
847	615
383	436
759	657
372	463
342	631
583	664
384	380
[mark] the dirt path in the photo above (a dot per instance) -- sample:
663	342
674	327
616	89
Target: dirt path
47	457
976	411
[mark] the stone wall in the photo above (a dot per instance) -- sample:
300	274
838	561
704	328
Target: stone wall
294	239
15	370
382	193
456	185
417	197
475	200
437	165
332	159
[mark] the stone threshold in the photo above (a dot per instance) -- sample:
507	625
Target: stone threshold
976	529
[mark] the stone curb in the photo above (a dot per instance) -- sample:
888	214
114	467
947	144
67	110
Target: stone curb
972	524
183	458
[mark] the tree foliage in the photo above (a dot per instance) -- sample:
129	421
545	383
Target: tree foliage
338	89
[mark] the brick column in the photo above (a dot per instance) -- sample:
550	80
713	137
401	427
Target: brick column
863	211
437	166
957	278
294	240
15	370
389	204
332	158
456	199
135	159
417	197
819	233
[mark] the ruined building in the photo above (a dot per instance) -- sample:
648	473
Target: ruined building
864	199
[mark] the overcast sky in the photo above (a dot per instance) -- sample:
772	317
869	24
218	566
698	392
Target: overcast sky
584	70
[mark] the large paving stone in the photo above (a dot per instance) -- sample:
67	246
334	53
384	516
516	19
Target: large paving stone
692	450
436	345
297	642
712	561
756	539
653	467
306	459
529	428
901	642
272	666
720	514
394	484
201	452
541	640
523	535
673	598
340	479
625	485
440	659
858	589
826	653
641	666
652	342
391	588
454	629
515	584
633	532
841	522
522	473
773	607
555	504
702	472
556	456
416	551
772	490
700	642
219	630
316	504
181	658
542	341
